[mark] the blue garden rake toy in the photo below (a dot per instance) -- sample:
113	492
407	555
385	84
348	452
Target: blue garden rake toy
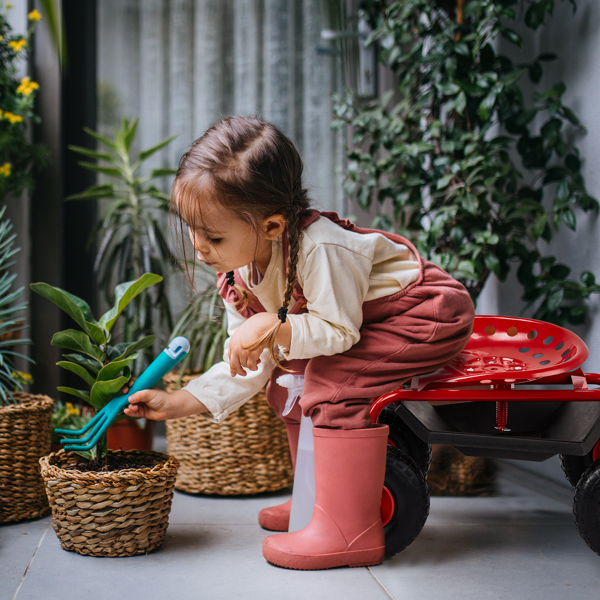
98	426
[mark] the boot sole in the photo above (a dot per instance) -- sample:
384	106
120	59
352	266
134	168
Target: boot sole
298	562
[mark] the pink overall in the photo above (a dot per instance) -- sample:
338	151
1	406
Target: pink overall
414	331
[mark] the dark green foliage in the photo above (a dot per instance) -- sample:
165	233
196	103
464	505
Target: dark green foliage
432	148
11	321
19	158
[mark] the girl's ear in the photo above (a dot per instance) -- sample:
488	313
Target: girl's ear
274	226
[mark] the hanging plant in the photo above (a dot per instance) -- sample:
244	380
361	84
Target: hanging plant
441	148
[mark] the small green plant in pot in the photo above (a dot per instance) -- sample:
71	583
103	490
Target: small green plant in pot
104	369
127	494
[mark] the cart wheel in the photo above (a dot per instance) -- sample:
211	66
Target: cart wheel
402	437
404	503
574	466
585	506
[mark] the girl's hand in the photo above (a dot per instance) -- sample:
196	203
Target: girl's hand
245	335
149	404
158	405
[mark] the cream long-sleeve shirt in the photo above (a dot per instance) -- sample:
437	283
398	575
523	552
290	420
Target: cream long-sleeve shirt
338	271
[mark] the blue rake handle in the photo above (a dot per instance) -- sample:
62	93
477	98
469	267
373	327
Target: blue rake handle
97	426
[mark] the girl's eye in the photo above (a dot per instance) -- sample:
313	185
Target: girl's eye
215	241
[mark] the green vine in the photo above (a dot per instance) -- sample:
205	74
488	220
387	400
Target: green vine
441	148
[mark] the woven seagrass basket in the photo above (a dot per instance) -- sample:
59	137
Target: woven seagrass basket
110	513
24	439
248	453
454	474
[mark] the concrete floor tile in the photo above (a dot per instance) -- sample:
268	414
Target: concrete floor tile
18	543
195	562
495	548
199	509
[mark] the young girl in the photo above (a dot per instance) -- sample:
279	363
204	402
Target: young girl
357	311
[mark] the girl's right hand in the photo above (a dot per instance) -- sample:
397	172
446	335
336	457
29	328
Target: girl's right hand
149	404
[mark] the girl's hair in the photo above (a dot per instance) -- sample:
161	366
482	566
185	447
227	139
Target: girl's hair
254	170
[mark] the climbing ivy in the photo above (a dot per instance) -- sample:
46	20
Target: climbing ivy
474	172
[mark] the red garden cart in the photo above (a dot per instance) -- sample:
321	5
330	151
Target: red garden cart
516	391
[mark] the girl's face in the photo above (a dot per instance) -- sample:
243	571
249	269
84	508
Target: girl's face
225	242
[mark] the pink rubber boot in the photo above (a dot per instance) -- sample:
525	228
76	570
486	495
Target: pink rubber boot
277	518
345	529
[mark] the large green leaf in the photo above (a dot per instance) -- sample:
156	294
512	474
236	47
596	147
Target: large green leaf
124	294
145	342
112	369
79	342
104	391
75	307
89	363
78	370
81	394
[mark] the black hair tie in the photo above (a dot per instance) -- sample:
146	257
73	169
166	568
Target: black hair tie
282	313
230	278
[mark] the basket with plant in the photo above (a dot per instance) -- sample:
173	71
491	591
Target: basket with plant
104	502
247	453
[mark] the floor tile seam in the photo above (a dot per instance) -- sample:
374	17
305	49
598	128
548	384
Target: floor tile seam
14	596
380	584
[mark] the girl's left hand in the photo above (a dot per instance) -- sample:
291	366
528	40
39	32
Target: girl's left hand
245	335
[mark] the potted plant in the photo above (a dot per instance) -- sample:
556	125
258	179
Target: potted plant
247	453
105	502
24	418
462	162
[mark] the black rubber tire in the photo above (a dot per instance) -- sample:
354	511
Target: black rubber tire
407	485
574	466
586	506
406	440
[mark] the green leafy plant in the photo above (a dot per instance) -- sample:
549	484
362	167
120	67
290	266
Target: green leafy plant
130	232
443	148
11	321
202	322
18	156
103	368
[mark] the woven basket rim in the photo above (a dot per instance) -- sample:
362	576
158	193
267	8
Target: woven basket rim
166	466
28	403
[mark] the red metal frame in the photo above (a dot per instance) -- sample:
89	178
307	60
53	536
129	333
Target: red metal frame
489	395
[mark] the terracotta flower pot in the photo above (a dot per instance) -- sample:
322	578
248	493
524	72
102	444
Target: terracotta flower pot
128	434
24	439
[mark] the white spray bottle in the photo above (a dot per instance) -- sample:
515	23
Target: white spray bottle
303	495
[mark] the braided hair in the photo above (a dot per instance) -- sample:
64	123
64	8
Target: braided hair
254	170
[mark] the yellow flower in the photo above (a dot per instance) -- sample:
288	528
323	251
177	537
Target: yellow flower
1	37
12	118
27	86
71	409
17	45
26	377
34	16
5	169
8	4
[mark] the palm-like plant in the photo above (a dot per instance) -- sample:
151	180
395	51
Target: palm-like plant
10	322
130	233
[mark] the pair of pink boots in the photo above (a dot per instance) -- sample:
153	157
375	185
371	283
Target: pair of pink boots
345	529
